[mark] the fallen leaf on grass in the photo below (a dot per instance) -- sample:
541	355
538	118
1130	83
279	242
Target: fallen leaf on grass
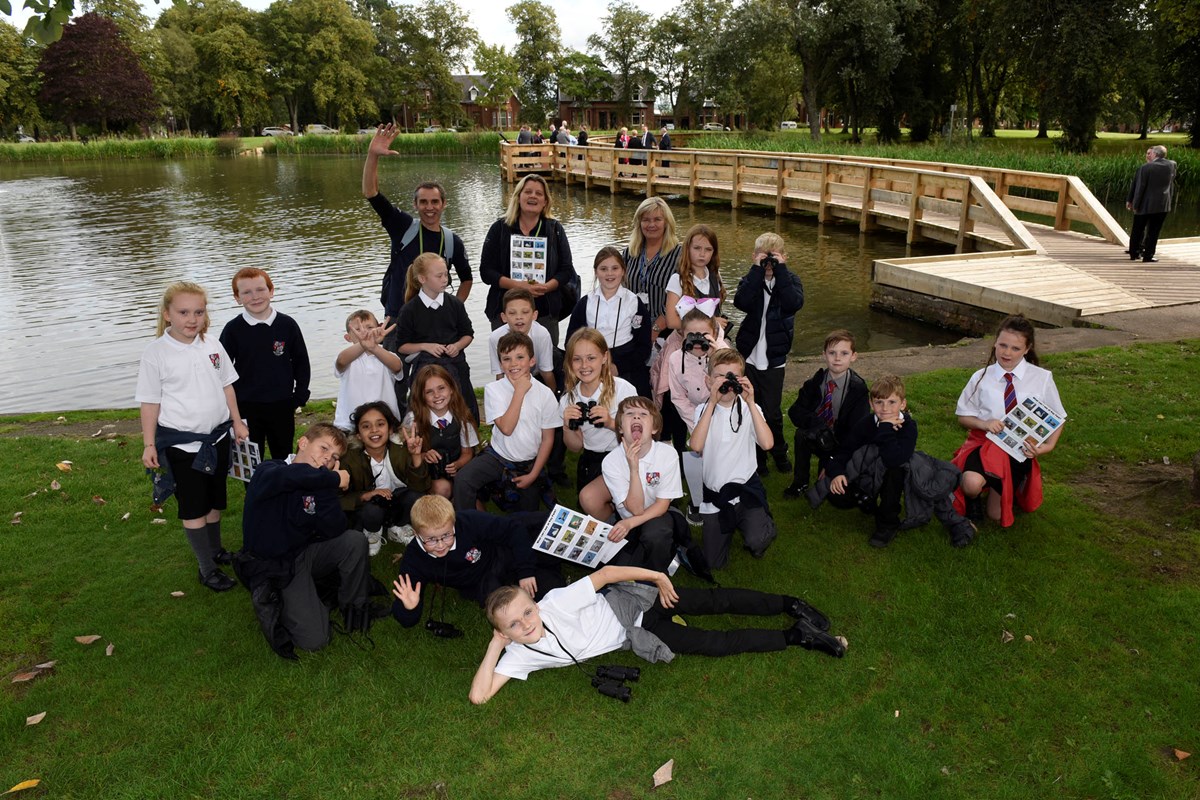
98	500
663	773
178	594
55	486
897	713
1159	416
23	785
1167	460
35	719
89	639
108	651
1028	638
16	517
1005	637
45	665
1010	615
125	516
60	419
1181	754
64	466
396	558
31	494
98	433
158	521
945	770
155	508
24	676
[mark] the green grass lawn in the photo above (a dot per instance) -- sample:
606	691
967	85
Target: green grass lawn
1099	589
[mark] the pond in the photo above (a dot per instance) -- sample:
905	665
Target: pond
87	248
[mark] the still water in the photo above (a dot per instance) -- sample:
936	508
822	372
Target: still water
87	248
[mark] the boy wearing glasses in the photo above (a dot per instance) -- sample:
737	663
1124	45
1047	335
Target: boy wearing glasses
471	551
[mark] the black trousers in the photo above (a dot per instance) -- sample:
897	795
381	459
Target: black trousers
273	424
768	393
1143	237
692	640
886	503
805	449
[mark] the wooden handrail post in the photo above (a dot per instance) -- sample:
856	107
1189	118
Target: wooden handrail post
964	218
692	181
651	157
822	209
779	187
865	218
1061	223
587	167
914	210
736	183
612	172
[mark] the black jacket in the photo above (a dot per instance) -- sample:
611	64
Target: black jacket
856	404
494	263
288	506
786	300
894	447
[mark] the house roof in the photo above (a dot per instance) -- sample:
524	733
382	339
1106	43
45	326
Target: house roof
479	83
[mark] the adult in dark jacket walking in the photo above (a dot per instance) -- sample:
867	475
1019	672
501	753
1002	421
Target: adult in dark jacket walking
1150	199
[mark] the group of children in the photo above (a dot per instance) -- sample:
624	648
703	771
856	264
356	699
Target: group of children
415	472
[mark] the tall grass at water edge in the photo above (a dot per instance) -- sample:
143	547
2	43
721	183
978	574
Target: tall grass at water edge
1107	171
475	143
112	149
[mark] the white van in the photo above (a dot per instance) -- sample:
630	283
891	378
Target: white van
787	125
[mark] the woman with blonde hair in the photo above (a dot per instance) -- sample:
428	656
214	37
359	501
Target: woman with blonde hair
651	258
529	239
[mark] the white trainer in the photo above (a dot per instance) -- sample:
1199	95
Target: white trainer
374	542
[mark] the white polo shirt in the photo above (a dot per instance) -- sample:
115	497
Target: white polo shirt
729	456
539	411
543	348
616	318
583	624
599	440
658	471
188	382
365	380
984	398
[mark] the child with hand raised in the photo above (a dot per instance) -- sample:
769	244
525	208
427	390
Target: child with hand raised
366	370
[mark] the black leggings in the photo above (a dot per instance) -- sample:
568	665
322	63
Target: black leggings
1018	469
692	640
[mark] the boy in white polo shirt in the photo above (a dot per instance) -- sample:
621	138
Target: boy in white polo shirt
644	504
730	425
520	316
367	372
524	415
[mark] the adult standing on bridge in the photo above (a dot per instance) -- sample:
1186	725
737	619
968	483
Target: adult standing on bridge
528	248
410	235
1150	200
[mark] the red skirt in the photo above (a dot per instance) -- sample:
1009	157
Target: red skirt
996	464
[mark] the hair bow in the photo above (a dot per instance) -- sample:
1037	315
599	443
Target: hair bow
706	304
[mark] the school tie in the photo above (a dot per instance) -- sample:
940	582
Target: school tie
1010	393
441	423
825	413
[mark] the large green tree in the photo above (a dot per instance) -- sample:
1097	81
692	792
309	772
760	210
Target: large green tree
584	77
318	53
500	75
621	43
539	47
91	76
1179	84
19	81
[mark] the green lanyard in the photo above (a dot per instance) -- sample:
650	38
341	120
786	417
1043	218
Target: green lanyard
421	241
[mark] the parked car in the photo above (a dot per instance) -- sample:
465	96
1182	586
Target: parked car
787	125
366	132
273	131
670	126
439	129
24	139
714	126
320	130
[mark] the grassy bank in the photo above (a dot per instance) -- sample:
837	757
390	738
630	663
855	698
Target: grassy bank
112	149
1099	589
481	143
1107	170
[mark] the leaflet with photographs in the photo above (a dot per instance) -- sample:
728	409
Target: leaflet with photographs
243	458
574	536
527	259
1031	422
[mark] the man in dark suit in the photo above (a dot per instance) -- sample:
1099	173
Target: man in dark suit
664	143
1150	199
647	137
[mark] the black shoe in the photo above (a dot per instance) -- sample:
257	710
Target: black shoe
223	557
796	490
217	581
798	609
1134	256
975	509
1150	260
561	480
882	537
782	464
804	634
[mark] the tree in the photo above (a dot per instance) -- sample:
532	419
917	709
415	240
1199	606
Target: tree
583	77
177	80
621	44
866	47
1181	20
91	76
538	49
761	70
811	35
318	52
499	70
19	82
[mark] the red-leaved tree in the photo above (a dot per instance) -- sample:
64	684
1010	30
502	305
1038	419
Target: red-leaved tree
91	76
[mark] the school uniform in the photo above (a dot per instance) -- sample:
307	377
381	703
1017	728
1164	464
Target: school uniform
895	450
659	474
849	403
437	320
273	377
597	442
983	398
543	347
734	496
366	379
765	339
622	320
448	436
513	452
407	479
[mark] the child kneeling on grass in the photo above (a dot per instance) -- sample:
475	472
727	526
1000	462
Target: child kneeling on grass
601	613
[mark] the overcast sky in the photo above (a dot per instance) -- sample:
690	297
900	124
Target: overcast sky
576	19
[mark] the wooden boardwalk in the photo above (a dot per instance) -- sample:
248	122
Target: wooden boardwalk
1036	264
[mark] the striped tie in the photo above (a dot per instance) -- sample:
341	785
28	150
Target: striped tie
825	413
1010	394
441	423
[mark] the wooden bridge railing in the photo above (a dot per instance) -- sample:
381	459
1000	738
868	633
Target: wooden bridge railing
912	195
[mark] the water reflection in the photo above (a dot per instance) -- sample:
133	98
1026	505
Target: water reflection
86	250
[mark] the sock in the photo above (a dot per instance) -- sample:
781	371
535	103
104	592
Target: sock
198	538
214	536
